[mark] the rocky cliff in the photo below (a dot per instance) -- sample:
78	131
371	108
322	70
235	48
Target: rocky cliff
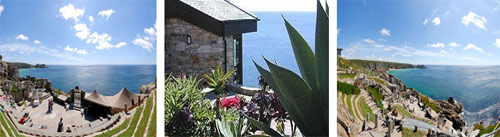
451	110
8	72
381	65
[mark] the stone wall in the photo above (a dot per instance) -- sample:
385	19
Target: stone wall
204	53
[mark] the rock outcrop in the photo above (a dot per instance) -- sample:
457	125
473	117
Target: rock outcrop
8	72
147	89
346	124
451	110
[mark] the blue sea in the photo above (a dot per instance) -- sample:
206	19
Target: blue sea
476	87
106	79
271	41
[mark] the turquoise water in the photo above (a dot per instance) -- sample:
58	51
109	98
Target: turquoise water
106	79
476	87
271	41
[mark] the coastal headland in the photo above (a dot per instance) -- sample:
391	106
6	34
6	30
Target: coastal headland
372	102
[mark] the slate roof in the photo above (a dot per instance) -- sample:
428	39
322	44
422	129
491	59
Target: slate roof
221	10
220	17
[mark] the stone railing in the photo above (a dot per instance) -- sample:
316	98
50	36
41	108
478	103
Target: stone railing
240	89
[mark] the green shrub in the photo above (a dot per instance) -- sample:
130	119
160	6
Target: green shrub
183	96
429	102
347	88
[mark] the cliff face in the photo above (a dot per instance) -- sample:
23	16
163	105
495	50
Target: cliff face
381	65
451	110
8	71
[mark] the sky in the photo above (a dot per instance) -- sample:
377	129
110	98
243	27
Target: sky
277	5
74	32
432	32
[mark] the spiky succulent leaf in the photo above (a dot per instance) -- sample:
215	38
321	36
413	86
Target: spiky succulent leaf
287	103
268	130
322	61
303	55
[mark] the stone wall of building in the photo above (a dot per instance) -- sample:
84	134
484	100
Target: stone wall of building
204	53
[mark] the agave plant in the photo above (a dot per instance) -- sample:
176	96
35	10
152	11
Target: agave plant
304	98
217	84
235	127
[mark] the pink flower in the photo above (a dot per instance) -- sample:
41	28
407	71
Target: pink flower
230	102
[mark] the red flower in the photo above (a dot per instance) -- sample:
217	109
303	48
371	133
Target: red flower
230	102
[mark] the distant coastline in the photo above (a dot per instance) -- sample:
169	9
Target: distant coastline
20	65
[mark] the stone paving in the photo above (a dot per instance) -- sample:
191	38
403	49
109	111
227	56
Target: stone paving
41	116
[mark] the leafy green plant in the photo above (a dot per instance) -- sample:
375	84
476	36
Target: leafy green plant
217	84
187	113
232	124
304	98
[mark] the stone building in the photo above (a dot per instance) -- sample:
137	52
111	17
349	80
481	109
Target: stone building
201	34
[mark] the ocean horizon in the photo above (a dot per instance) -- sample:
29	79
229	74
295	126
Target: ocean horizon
106	79
272	41
476	87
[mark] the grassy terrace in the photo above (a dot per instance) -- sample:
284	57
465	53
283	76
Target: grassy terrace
4	124
145	118
349	105
116	130
379	81
377	97
364	108
12	129
347	88
428	102
130	130
404	112
152	125
409	133
346	76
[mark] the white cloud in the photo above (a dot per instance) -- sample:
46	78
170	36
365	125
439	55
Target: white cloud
69	11
436	21
82	31
383	40
68	48
78	51
497	43
143	43
106	13
82	52
472	17
453	44
443	52
1	9
385	32
369	41
436	45
96	38
37	42
121	44
472	46
425	21
22	37
29	49
146	41
91	19
150	31
357	50
103	41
